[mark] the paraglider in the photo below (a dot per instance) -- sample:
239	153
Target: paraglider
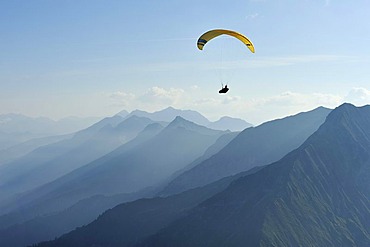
206	37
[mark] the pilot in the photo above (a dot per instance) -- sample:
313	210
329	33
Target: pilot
224	89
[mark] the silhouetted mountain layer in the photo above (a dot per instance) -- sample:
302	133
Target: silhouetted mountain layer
47	163
48	227
146	161
15	152
255	146
137	220
170	113
87	210
17	128
146	164
232	124
317	195
51	197
220	143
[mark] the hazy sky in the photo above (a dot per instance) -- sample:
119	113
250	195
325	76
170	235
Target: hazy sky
96	58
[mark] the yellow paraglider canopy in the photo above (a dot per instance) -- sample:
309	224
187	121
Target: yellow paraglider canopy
217	32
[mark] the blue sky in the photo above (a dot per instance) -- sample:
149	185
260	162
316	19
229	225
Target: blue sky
96	58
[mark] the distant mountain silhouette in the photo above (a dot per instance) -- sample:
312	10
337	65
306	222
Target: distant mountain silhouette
220	143
49	226
146	164
232	124
254	146
145	161
42	216
18	150
129	223
17	128
123	113
85	211
169	114
52	161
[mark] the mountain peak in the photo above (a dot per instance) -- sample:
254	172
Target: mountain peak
345	107
179	118
230	123
170	108
123	113
182	123
348	112
349	123
169	114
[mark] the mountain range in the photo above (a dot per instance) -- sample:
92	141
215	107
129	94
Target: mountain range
169	114
16	151
296	181
17	128
255	146
37	228
50	158
20	135
42	201
49	162
126	169
316	195
41	164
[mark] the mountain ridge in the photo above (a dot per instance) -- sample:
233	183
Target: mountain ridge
309	197
124	170
253	146
313	196
17	128
169	114
58	159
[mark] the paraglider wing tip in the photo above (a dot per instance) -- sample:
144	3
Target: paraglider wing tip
201	43
250	47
